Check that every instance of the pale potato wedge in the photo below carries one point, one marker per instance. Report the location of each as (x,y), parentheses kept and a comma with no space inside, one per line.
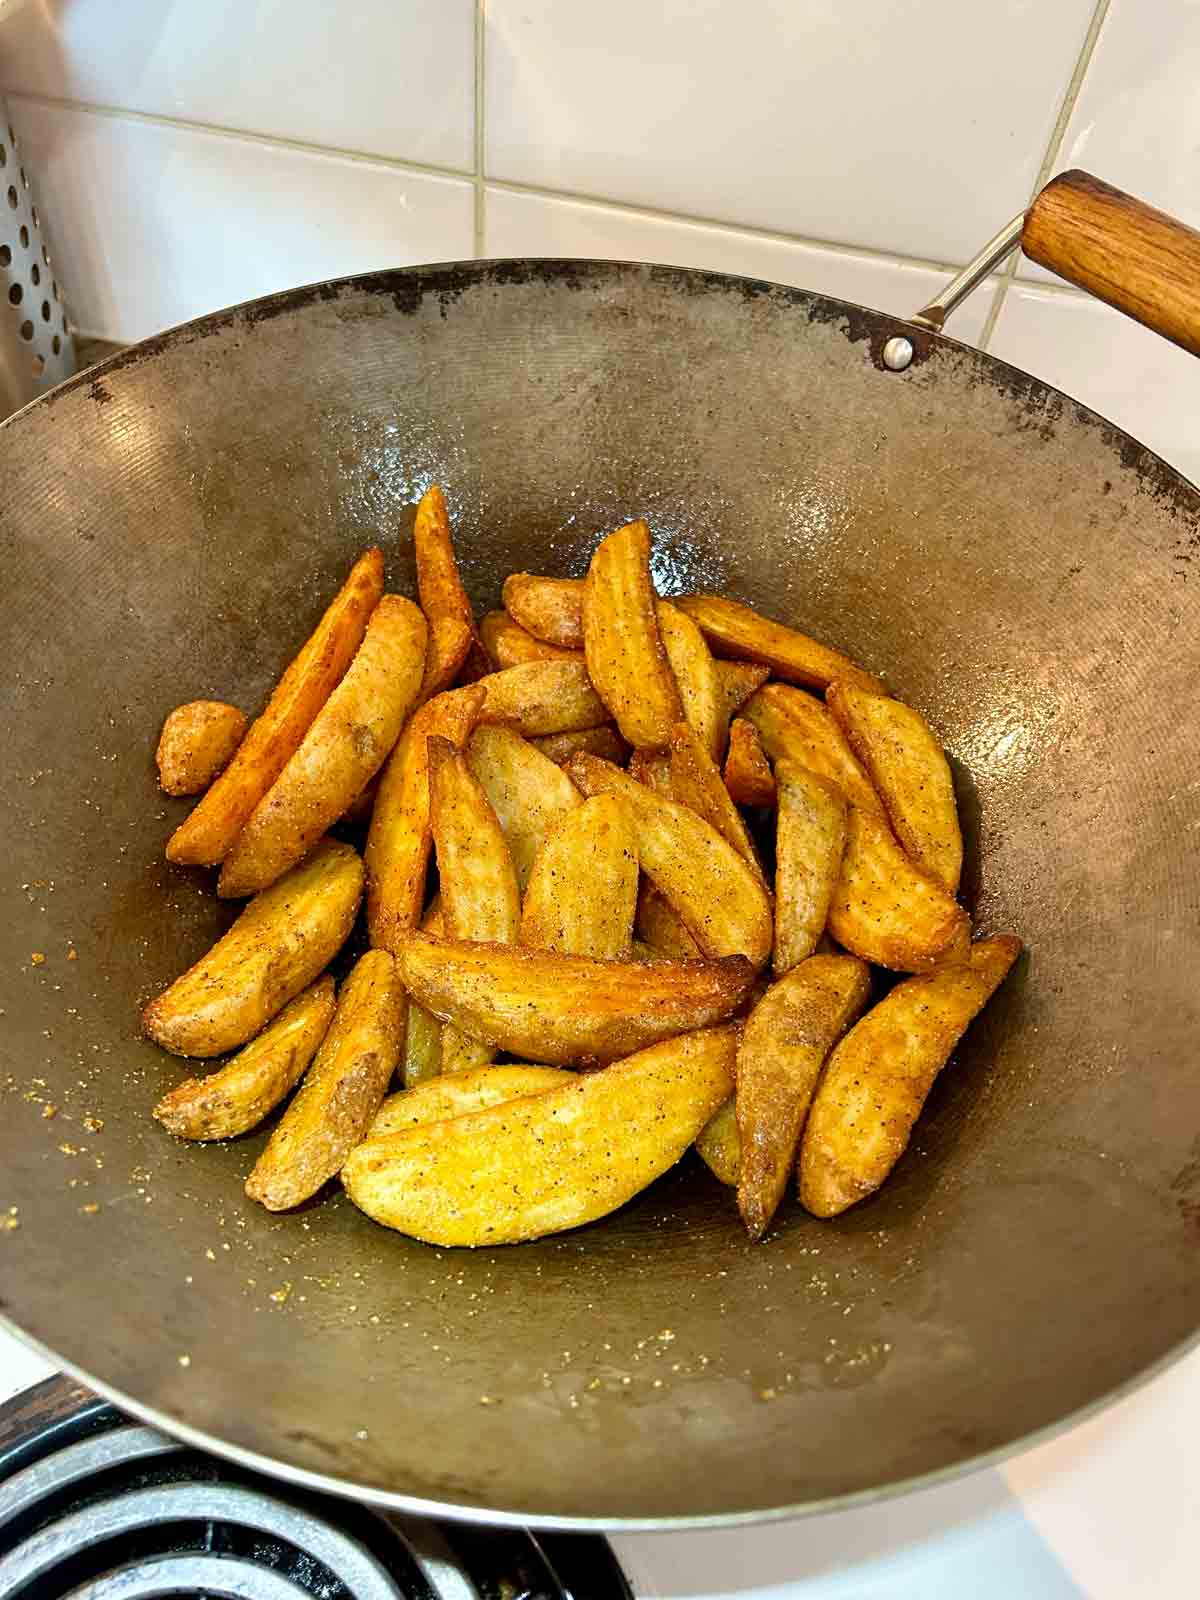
(719,896)
(350,738)
(719,1145)
(695,674)
(696,782)
(399,841)
(795,727)
(733,629)
(748,775)
(549,608)
(422,1031)
(443,598)
(909,770)
(284,939)
(660,928)
(885,909)
(530,793)
(541,697)
(603,741)
(878,1077)
(341,1092)
(582,893)
(508,644)
(239,1095)
(782,1050)
(626,657)
(197,741)
(810,841)
(206,835)
(549,1161)
(455,1094)
(560,1009)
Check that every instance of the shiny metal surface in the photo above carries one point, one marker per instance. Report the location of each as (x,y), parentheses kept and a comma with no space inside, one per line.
(168,1577)
(1018,568)
(66,1468)
(994,254)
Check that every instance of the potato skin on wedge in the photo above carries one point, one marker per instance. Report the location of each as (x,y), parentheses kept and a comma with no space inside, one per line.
(626,657)
(549,608)
(549,1161)
(454,1094)
(888,911)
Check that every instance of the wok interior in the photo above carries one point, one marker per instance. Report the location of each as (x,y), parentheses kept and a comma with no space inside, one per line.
(171,528)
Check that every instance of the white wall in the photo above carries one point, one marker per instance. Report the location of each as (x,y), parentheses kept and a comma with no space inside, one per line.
(192,153)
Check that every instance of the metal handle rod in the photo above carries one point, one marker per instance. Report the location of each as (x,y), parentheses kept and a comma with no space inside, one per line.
(994,253)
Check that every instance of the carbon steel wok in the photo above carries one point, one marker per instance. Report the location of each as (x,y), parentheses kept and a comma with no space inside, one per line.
(171,526)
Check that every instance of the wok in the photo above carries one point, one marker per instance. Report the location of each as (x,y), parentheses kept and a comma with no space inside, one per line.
(172,523)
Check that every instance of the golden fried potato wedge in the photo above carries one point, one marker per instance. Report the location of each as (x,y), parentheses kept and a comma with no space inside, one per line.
(718,895)
(455,1094)
(748,775)
(549,1161)
(205,837)
(197,740)
(530,793)
(238,1095)
(695,676)
(878,1077)
(719,1146)
(284,939)
(341,1092)
(549,608)
(508,644)
(541,697)
(653,768)
(736,682)
(783,1047)
(447,658)
(582,892)
(443,599)
(561,1009)
(885,909)
(422,1057)
(909,770)
(736,630)
(603,741)
(696,782)
(398,844)
(810,841)
(626,658)
(795,727)
(660,928)
(350,738)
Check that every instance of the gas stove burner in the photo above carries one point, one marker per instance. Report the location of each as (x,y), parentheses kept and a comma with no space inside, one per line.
(95,1507)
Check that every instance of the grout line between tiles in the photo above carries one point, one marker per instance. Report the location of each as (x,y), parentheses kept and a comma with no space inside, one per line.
(480,102)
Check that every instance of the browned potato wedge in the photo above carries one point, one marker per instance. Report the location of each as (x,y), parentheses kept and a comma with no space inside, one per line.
(888,911)
(350,738)
(582,892)
(541,697)
(561,1009)
(603,741)
(197,740)
(238,1096)
(909,769)
(446,661)
(341,1092)
(530,793)
(653,768)
(748,775)
(549,608)
(397,852)
(736,682)
(810,841)
(783,1047)
(626,658)
(205,836)
(696,782)
(508,644)
(660,928)
(878,1077)
(719,1145)
(454,1094)
(736,630)
(695,676)
(720,898)
(443,599)
(284,939)
(795,727)
(549,1161)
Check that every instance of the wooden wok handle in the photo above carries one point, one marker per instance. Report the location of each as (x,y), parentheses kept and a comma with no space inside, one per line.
(1121,250)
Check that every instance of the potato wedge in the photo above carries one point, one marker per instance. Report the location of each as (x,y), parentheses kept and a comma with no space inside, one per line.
(748,775)
(795,727)
(718,1143)
(696,782)
(782,1050)
(422,1057)
(603,741)
(660,928)
(561,1009)
(582,893)
(341,1092)
(909,770)
(455,1094)
(197,740)
(810,841)
(239,1095)
(878,1077)
(447,659)
(720,897)
(736,682)
(885,909)
(626,657)
(284,939)
(549,608)
(695,674)
(350,738)
(399,841)
(550,1161)
(443,599)
(541,697)
(530,793)
(653,768)
(206,835)
(733,629)
(508,644)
